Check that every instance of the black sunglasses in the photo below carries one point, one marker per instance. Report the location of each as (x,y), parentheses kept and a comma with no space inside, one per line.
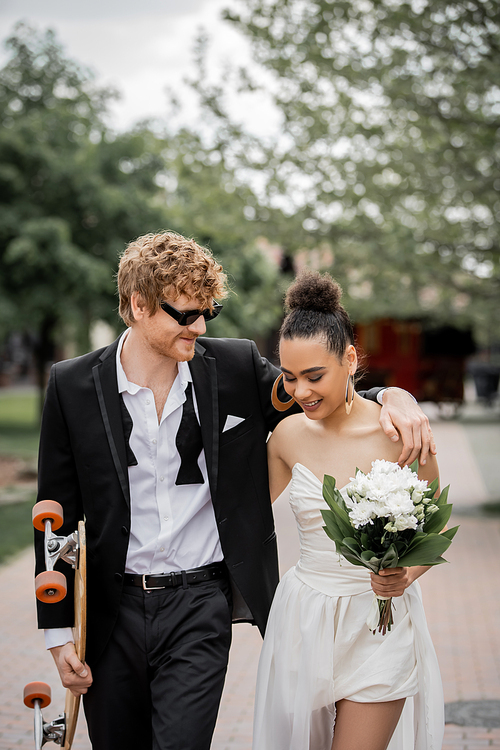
(188,317)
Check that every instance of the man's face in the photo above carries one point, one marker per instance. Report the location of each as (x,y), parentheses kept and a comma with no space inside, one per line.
(163,335)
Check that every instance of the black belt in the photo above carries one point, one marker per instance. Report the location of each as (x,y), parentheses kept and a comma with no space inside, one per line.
(172,580)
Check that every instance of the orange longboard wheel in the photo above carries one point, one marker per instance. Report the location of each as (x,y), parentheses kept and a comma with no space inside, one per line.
(47,510)
(50,586)
(37,691)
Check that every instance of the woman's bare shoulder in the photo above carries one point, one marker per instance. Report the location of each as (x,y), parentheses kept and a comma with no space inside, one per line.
(290,424)
(286,433)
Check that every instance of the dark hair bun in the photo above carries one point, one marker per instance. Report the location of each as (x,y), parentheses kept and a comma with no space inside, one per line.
(314,291)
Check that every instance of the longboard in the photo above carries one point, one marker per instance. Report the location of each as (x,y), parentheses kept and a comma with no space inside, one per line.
(79,633)
(51,587)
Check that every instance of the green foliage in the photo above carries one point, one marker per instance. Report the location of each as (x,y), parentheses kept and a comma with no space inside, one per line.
(19,424)
(389,153)
(18,409)
(71,194)
(205,200)
(16,529)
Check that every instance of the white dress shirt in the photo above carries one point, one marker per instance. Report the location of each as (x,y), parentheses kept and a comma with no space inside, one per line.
(172,527)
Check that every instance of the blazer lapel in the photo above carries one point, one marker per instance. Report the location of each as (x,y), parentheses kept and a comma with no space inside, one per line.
(106,385)
(204,372)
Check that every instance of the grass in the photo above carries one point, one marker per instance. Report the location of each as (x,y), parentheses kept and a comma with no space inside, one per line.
(19,424)
(19,432)
(16,529)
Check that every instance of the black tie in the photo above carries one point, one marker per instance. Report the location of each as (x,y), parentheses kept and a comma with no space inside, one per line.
(189,443)
(127,431)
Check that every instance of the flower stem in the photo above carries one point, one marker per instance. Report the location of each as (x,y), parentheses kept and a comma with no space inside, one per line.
(386,621)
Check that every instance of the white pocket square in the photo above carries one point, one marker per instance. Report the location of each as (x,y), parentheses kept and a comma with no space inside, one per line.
(232,422)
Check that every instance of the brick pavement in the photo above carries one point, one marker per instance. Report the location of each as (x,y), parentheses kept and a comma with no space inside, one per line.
(461,600)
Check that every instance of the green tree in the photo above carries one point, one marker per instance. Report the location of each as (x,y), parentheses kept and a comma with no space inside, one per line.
(207,201)
(71,194)
(389,151)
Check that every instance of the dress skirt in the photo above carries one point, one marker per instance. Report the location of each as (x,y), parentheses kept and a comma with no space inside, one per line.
(318,649)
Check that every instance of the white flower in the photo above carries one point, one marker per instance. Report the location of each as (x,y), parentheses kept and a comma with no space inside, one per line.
(417,496)
(387,491)
(383,467)
(405,522)
(419,512)
(399,503)
(361,513)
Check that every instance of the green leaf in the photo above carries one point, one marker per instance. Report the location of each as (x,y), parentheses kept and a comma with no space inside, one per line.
(338,545)
(329,483)
(352,544)
(432,487)
(354,559)
(426,552)
(390,558)
(414,466)
(332,526)
(443,497)
(438,520)
(438,561)
(335,501)
(450,533)
(352,553)
(365,540)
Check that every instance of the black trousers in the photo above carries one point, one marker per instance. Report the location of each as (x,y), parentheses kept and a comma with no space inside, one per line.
(159,682)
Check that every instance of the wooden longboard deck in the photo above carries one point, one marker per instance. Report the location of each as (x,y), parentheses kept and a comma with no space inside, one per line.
(79,633)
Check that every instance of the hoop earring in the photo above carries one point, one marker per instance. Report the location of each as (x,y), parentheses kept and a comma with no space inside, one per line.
(280,405)
(348,406)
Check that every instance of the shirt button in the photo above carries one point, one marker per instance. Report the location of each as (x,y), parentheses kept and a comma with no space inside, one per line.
(148,401)
(165,518)
(161,479)
(154,441)
(162,549)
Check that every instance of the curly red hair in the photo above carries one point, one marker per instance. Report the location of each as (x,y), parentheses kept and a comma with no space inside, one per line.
(167,265)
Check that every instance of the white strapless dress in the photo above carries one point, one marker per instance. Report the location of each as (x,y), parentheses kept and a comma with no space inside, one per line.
(318,649)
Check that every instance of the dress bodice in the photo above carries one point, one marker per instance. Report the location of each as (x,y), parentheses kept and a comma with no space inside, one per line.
(319,565)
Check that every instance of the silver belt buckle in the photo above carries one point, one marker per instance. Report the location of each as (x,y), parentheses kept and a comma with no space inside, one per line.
(152,588)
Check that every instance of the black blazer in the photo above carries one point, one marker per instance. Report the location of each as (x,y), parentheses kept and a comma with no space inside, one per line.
(83,465)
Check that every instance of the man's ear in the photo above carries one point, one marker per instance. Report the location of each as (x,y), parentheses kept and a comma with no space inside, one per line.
(138,306)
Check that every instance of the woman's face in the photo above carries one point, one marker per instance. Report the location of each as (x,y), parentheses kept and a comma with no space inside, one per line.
(314,377)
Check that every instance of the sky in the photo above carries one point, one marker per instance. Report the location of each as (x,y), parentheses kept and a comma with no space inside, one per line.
(140,48)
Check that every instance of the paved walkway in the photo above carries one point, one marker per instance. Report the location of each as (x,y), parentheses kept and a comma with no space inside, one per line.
(461,600)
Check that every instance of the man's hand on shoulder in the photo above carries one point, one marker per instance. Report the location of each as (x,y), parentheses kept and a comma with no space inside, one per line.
(401,417)
(74,675)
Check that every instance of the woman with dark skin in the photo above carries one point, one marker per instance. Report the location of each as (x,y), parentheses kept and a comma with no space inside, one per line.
(326,682)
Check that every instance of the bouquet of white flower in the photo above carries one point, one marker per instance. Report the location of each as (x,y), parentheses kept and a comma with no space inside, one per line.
(390,519)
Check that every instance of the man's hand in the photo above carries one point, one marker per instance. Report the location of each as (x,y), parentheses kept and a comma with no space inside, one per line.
(402,417)
(74,675)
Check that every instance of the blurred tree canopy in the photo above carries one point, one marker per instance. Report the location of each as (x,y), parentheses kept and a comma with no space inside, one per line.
(205,199)
(73,193)
(70,195)
(388,160)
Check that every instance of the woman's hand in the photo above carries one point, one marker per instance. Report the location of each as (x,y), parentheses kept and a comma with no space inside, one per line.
(394,581)
(391,581)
